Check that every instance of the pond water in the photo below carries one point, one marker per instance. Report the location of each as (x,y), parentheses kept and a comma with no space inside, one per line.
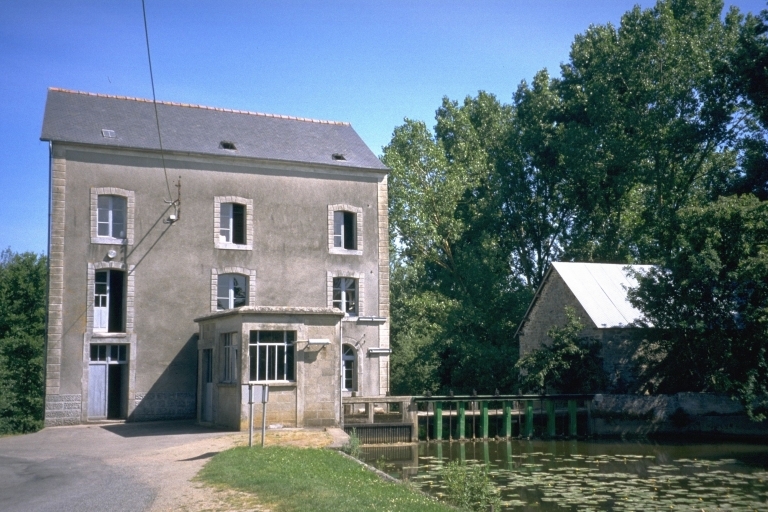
(595,475)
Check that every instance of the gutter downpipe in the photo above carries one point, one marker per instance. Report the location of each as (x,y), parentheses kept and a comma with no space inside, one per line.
(341,372)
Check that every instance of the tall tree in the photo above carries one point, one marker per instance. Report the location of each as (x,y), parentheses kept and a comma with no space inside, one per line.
(648,121)
(22,329)
(708,305)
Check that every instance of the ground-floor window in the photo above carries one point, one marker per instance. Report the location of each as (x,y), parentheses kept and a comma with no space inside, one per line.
(229,357)
(272,355)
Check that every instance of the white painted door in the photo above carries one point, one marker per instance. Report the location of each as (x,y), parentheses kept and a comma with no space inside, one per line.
(101,302)
(97,391)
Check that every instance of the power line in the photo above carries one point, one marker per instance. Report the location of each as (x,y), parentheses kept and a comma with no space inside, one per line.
(154,103)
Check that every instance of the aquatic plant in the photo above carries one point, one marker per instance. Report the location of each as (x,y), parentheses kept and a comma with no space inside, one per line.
(470,487)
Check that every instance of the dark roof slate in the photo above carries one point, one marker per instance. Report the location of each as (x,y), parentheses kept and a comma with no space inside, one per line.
(79,117)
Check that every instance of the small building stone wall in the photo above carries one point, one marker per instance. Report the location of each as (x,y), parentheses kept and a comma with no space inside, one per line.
(618,345)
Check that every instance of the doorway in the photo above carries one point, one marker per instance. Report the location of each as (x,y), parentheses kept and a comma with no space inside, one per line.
(107,382)
(207,405)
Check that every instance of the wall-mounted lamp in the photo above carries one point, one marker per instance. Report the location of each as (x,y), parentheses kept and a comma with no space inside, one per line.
(111,254)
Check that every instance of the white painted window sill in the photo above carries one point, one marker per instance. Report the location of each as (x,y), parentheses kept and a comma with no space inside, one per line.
(346,252)
(107,240)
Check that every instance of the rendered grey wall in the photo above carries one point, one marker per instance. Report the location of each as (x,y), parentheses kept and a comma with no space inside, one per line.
(173,262)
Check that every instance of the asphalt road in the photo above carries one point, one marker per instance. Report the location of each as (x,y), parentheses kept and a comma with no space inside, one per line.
(78,468)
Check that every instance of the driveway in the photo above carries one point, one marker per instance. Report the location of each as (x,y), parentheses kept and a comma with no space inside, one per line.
(125,467)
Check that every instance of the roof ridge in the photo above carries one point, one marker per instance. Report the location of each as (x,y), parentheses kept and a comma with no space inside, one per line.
(203,107)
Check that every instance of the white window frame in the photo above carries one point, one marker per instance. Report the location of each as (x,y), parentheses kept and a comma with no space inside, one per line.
(128,306)
(130,203)
(360,278)
(250,274)
(218,243)
(229,360)
(332,234)
(270,347)
(231,280)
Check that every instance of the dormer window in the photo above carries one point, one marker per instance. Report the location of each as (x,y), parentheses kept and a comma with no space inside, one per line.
(338,156)
(227,145)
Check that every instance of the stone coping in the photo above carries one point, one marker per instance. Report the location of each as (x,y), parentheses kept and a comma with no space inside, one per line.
(272,310)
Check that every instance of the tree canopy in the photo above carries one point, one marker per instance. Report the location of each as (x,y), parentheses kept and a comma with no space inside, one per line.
(648,131)
(22,329)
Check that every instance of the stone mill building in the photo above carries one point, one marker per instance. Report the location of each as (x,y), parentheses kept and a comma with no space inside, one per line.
(252,248)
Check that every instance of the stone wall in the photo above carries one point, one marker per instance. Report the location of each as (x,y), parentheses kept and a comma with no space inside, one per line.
(62,410)
(683,414)
(163,406)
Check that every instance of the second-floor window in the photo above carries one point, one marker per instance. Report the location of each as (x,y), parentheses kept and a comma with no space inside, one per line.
(232,223)
(232,291)
(111,216)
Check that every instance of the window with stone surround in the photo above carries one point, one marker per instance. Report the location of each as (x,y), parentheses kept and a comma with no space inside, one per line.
(232,287)
(112,214)
(233,223)
(272,356)
(346,291)
(110,308)
(345,229)
(348,367)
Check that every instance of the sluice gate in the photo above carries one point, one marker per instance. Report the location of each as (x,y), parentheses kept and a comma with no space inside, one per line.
(402,419)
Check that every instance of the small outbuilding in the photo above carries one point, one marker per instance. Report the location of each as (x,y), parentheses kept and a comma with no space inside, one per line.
(598,294)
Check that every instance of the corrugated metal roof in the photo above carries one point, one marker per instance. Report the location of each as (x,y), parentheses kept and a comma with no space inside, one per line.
(601,288)
(78,117)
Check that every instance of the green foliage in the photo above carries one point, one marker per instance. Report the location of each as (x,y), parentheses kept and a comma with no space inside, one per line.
(570,364)
(352,447)
(22,332)
(646,122)
(292,479)
(708,305)
(469,487)
(454,307)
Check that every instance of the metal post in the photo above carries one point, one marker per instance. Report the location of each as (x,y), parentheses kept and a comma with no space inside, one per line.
(250,423)
(484,418)
(507,420)
(462,422)
(263,422)
(549,405)
(572,417)
(474,409)
(439,421)
(528,418)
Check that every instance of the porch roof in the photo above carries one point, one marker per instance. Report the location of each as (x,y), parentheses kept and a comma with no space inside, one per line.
(271,310)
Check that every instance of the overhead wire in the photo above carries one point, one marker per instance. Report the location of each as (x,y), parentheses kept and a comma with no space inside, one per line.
(154,103)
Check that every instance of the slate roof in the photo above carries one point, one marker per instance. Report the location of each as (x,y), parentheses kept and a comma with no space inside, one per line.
(80,117)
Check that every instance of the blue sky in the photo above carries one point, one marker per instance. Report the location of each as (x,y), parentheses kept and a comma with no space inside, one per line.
(371,63)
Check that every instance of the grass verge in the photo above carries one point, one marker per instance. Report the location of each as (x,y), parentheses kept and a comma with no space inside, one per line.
(290,479)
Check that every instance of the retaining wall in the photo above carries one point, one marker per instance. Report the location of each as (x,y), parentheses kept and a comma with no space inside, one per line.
(683,414)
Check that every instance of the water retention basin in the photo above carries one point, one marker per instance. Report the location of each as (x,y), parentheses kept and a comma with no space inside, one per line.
(594,475)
